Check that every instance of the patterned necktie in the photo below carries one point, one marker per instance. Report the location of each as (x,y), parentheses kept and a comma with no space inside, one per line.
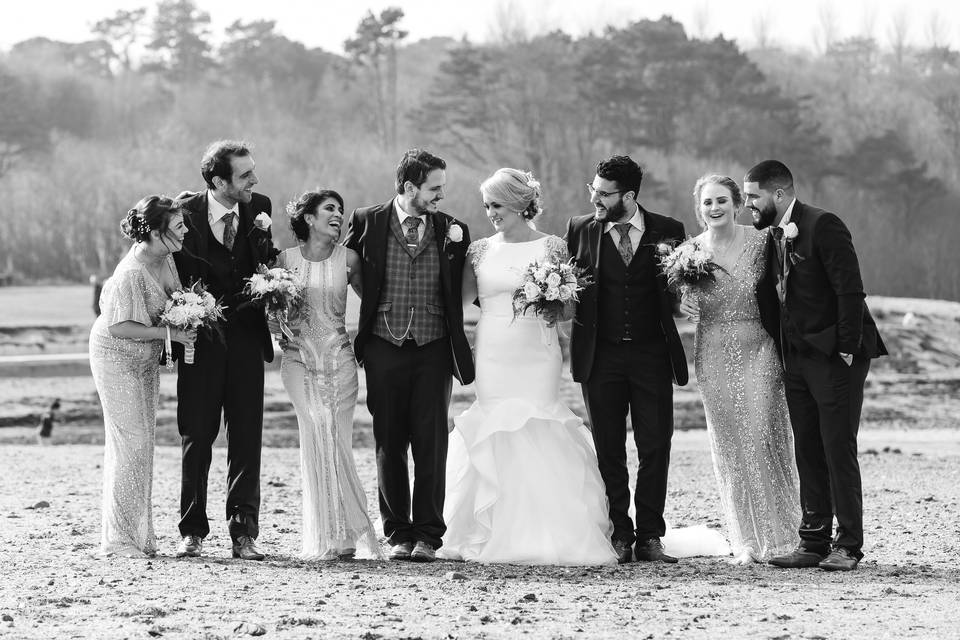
(624,247)
(229,233)
(410,234)
(777,233)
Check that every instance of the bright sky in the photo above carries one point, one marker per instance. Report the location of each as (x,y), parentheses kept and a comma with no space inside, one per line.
(327,23)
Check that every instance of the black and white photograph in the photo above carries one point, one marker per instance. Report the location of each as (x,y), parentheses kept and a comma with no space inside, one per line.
(408,319)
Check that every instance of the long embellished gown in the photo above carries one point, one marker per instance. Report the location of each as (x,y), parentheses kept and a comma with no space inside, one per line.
(319,372)
(126,373)
(523,485)
(741,381)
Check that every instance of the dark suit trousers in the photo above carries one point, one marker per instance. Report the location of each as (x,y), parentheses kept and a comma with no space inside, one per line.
(637,377)
(225,379)
(408,394)
(825,397)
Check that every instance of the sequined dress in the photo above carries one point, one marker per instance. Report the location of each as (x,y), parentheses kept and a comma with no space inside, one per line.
(319,372)
(126,373)
(523,485)
(741,381)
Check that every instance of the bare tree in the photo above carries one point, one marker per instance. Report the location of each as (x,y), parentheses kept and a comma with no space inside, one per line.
(701,21)
(936,30)
(897,33)
(122,31)
(827,30)
(868,21)
(763,28)
(509,23)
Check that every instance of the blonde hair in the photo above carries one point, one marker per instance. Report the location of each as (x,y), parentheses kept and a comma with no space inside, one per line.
(517,190)
(735,195)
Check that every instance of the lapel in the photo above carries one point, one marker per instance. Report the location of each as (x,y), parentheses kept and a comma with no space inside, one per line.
(790,246)
(651,230)
(379,231)
(250,233)
(440,237)
(594,237)
(201,226)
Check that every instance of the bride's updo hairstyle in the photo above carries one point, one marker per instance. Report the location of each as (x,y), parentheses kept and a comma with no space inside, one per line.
(735,195)
(152,213)
(514,189)
(308,203)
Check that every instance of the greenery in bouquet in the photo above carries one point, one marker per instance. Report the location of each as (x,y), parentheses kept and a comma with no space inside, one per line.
(687,264)
(192,307)
(548,286)
(279,291)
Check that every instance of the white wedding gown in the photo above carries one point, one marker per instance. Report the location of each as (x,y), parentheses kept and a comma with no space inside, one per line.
(523,484)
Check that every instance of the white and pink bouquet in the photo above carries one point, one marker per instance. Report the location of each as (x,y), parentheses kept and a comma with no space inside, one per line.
(279,291)
(190,308)
(687,264)
(548,286)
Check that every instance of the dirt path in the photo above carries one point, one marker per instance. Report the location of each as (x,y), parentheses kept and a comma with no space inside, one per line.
(907,586)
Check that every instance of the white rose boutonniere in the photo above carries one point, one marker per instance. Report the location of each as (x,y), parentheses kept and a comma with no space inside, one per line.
(790,231)
(262,221)
(455,233)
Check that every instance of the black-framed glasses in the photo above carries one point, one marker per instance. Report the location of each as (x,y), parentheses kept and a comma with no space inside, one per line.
(601,194)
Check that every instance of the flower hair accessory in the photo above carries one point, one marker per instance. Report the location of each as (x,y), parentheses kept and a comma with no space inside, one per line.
(532,183)
(291,209)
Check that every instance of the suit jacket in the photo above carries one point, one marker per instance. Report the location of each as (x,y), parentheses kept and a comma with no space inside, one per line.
(823,308)
(367,234)
(192,261)
(583,242)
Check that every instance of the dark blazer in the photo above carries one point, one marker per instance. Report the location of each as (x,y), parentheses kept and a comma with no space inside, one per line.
(583,242)
(824,306)
(367,234)
(192,261)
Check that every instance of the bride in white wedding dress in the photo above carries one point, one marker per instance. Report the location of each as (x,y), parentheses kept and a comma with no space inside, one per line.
(523,484)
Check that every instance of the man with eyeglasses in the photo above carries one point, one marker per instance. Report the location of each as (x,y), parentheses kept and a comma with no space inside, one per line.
(626,351)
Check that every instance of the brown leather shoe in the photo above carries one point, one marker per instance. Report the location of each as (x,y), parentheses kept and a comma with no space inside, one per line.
(423,552)
(401,551)
(651,550)
(190,547)
(245,548)
(623,550)
(799,558)
(839,560)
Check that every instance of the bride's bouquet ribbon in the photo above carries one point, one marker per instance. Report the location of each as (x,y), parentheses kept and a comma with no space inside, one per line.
(189,308)
(280,292)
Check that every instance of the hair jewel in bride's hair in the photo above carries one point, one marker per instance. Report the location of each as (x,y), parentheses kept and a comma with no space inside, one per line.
(291,209)
(532,183)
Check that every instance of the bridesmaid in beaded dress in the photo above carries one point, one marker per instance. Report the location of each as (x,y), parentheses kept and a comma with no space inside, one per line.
(319,372)
(741,382)
(125,347)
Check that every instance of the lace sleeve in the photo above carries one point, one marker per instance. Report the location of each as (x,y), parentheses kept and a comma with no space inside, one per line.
(476,251)
(125,299)
(557,248)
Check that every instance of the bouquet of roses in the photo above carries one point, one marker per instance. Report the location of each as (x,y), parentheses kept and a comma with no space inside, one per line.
(548,285)
(191,308)
(687,264)
(279,291)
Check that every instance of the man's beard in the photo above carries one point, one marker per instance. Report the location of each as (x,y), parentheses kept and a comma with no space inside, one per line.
(420,205)
(614,213)
(763,218)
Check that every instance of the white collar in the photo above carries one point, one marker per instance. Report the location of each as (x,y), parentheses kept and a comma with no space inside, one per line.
(636,220)
(215,210)
(786,216)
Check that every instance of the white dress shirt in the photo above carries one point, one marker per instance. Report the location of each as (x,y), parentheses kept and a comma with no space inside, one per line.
(636,229)
(215,214)
(403,215)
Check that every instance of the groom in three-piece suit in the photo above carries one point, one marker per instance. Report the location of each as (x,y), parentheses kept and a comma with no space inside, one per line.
(225,244)
(827,338)
(625,350)
(410,341)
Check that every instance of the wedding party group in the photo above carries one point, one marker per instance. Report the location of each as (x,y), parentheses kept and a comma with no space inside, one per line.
(782,348)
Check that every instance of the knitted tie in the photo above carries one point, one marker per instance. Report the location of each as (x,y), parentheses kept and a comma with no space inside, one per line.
(624,247)
(229,233)
(410,234)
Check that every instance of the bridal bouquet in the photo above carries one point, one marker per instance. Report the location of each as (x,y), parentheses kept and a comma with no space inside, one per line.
(687,264)
(279,291)
(191,308)
(548,285)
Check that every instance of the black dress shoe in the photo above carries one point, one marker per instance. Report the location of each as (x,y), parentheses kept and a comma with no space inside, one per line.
(839,560)
(624,551)
(651,550)
(401,551)
(245,548)
(799,558)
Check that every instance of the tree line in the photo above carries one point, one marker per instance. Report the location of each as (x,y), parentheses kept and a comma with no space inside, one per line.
(88,128)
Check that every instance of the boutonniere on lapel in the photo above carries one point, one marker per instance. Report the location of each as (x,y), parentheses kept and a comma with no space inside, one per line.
(261,224)
(454,235)
(790,233)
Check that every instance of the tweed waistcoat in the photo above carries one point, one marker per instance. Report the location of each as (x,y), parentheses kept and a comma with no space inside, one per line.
(411,289)
(628,302)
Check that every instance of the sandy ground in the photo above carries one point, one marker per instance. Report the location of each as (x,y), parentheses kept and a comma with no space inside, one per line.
(53,586)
